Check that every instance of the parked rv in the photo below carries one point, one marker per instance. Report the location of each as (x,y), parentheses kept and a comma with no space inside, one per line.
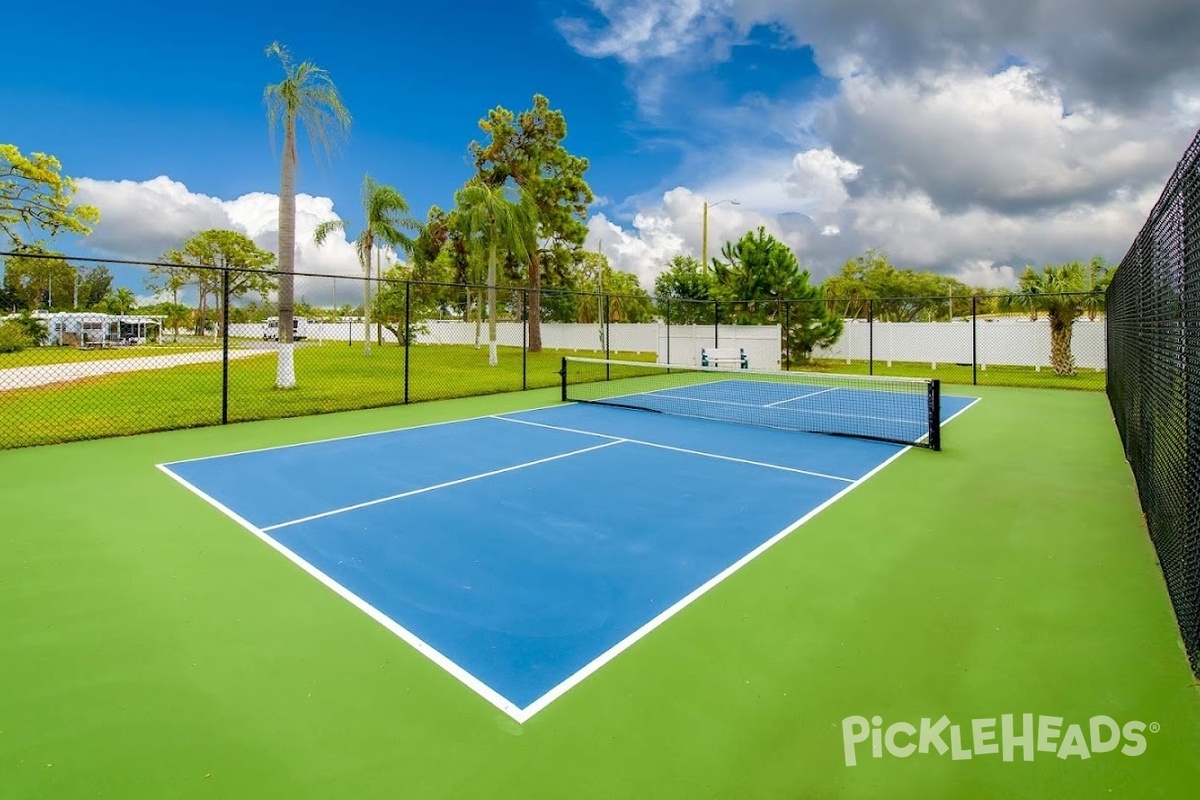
(299,329)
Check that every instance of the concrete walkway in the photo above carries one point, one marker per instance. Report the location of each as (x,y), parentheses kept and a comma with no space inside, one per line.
(48,374)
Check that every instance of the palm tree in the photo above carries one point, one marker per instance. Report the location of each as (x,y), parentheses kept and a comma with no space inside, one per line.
(384,225)
(1062,292)
(1099,276)
(307,94)
(493,220)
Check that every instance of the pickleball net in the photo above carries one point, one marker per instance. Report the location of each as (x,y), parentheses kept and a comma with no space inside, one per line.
(900,410)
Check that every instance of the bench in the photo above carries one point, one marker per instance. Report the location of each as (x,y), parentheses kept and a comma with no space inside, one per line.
(724,357)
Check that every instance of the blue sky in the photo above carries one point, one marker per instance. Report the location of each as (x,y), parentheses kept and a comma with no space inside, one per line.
(940,134)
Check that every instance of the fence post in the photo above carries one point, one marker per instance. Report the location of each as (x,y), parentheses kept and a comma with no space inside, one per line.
(787,335)
(974,341)
(871,336)
(524,340)
(225,345)
(407,333)
(668,330)
(716,323)
(607,338)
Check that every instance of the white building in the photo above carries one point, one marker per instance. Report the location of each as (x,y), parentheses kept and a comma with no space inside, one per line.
(95,329)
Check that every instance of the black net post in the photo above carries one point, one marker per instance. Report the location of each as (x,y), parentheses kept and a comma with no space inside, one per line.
(225,345)
(935,414)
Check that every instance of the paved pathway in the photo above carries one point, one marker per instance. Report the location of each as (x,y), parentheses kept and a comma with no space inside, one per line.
(46,374)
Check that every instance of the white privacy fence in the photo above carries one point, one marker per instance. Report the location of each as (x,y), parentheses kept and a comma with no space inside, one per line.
(1007,341)
(676,344)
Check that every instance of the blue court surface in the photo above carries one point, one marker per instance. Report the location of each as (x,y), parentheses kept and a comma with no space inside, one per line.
(523,551)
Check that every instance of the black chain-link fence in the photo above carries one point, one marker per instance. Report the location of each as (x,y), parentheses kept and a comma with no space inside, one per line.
(205,349)
(1154,382)
(1006,339)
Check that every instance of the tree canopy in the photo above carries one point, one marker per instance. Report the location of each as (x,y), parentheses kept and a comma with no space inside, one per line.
(199,261)
(36,197)
(759,272)
(870,284)
(37,279)
(684,292)
(528,150)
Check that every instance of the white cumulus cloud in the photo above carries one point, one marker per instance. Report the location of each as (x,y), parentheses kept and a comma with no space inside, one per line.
(140,220)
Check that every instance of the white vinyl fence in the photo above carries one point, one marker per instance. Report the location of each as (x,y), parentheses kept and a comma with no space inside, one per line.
(761,342)
(1007,341)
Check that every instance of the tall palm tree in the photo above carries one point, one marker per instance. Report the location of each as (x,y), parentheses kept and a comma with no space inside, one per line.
(306,94)
(1062,292)
(383,224)
(494,219)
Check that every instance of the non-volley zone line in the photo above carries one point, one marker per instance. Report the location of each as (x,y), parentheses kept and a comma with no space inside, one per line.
(688,451)
(445,484)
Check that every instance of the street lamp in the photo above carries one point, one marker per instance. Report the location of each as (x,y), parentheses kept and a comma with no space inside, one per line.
(704,235)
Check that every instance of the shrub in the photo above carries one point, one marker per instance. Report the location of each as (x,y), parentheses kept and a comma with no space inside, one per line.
(13,338)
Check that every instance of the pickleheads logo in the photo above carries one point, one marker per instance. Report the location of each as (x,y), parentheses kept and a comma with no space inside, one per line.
(1029,735)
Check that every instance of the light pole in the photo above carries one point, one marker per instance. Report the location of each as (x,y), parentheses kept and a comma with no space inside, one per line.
(704,234)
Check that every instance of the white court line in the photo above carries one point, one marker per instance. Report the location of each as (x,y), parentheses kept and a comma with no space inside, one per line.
(522,715)
(473,683)
(951,417)
(623,645)
(422,490)
(355,435)
(800,397)
(680,450)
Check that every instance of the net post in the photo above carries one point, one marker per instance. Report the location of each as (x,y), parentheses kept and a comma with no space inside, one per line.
(935,414)
(563,373)
(407,333)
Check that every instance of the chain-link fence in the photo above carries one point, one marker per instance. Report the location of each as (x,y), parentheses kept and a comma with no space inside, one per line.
(1154,382)
(212,352)
(1007,339)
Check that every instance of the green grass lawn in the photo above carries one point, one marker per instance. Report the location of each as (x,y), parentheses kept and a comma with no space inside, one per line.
(152,648)
(993,375)
(330,377)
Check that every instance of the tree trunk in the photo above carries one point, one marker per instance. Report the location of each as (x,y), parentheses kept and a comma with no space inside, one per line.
(491,301)
(535,303)
(285,376)
(202,314)
(1060,346)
